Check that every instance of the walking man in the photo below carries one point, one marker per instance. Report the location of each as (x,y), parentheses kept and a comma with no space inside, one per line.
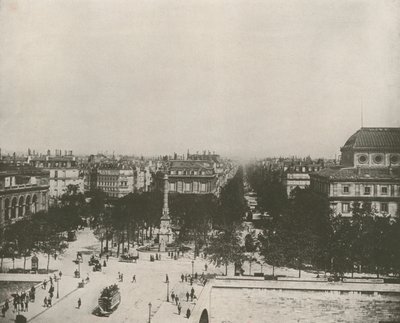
(182,278)
(176,300)
(187,296)
(79,303)
(134,279)
(179,309)
(173,296)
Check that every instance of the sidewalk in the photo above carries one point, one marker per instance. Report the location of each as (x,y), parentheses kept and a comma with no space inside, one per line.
(66,285)
(168,311)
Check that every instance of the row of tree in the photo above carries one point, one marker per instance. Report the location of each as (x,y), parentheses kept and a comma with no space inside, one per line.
(302,230)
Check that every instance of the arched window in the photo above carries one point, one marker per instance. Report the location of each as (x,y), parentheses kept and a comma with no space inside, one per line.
(21,206)
(14,208)
(7,209)
(28,204)
(34,204)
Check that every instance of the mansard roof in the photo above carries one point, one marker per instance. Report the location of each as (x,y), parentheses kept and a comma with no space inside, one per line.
(374,138)
(361,173)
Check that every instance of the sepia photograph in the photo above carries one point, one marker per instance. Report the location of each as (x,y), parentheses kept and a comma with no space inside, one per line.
(200,161)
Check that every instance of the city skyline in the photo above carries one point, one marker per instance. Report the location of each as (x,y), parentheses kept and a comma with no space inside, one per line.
(244,80)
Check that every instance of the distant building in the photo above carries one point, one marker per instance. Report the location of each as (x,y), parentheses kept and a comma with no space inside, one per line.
(369,172)
(23,191)
(190,176)
(63,170)
(297,175)
(115,181)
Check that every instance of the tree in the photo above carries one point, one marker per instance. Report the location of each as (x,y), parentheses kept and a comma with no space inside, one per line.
(232,203)
(225,248)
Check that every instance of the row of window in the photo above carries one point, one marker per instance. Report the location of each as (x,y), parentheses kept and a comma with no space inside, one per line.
(122,183)
(378,159)
(367,190)
(188,187)
(187,172)
(384,207)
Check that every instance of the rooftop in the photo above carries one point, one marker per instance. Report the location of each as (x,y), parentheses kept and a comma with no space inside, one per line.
(362,173)
(382,138)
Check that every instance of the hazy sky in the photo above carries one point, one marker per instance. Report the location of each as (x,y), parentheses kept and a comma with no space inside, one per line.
(255,78)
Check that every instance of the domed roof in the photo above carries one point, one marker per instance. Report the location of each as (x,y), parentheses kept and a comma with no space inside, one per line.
(381,138)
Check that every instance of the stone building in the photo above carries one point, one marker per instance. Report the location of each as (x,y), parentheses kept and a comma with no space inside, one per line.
(369,171)
(63,170)
(116,181)
(190,176)
(298,175)
(23,191)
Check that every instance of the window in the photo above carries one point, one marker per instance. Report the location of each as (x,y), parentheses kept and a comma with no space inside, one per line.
(172,187)
(362,159)
(195,186)
(188,187)
(345,208)
(346,189)
(384,207)
(203,187)
(378,159)
(367,190)
(384,190)
(180,186)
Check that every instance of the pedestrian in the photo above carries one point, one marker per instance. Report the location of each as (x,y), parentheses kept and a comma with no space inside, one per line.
(49,301)
(182,278)
(191,281)
(134,279)
(159,257)
(104,264)
(60,274)
(45,302)
(79,303)
(205,267)
(166,278)
(187,296)
(173,296)
(186,278)
(44,284)
(21,303)
(179,309)
(26,303)
(195,275)
(122,277)
(15,304)
(188,313)
(176,300)
(192,292)
(51,280)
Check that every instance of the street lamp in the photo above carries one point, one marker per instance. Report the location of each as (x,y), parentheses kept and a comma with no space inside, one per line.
(192,268)
(150,312)
(58,295)
(167,290)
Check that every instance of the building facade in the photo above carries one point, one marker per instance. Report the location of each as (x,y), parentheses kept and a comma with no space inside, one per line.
(191,177)
(116,182)
(23,191)
(298,175)
(63,170)
(369,172)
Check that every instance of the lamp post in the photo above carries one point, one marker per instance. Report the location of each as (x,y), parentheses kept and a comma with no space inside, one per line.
(58,295)
(168,291)
(192,268)
(150,312)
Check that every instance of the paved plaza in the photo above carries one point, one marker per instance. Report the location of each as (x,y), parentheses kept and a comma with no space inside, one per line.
(150,287)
